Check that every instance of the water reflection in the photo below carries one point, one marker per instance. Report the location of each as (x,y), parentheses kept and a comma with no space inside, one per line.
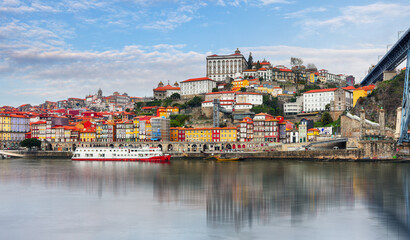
(240,195)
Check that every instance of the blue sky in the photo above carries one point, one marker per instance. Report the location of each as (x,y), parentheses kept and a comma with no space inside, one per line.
(52,50)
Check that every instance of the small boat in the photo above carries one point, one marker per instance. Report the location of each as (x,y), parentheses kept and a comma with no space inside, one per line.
(224,159)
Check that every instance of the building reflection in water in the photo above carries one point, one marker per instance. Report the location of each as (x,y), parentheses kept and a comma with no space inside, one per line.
(240,194)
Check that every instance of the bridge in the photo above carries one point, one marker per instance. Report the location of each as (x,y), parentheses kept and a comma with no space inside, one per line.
(393,58)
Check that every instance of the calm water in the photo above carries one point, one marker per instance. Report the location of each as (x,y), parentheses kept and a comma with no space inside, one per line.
(60,199)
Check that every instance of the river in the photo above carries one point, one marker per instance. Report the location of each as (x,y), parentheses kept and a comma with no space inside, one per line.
(60,199)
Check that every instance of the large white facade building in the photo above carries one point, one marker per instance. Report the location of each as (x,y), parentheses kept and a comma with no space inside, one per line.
(219,67)
(316,100)
(339,99)
(196,86)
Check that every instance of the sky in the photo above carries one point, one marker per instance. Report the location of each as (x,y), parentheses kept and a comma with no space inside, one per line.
(53,50)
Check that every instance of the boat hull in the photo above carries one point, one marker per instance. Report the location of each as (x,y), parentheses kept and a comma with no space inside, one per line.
(165,158)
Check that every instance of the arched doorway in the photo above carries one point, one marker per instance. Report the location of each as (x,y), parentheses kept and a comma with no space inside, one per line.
(194,148)
(170,147)
(160,146)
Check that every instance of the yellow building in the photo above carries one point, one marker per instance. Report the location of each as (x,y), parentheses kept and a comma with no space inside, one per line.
(87,135)
(313,77)
(227,134)
(173,134)
(238,84)
(204,134)
(136,128)
(198,135)
(166,111)
(362,92)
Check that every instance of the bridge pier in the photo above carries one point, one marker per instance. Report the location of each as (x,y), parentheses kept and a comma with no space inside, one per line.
(381,149)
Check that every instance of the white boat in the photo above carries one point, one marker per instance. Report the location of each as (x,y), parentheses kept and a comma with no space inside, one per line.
(147,154)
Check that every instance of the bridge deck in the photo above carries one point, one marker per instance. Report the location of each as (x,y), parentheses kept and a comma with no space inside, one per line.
(393,58)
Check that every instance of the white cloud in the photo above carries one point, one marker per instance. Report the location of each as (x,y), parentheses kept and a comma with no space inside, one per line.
(268,2)
(136,70)
(302,13)
(15,6)
(358,15)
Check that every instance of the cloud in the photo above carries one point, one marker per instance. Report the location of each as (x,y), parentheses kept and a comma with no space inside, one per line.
(43,74)
(268,2)
(359,15)
(174,18)
(302,13)
(15,6)
(258,3)
(137,69)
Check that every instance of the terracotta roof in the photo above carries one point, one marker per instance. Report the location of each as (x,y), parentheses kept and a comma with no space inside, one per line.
(165,88)
(198,79)
(349,88)
(220,92)
(249,93)
(250,70)
(322,90)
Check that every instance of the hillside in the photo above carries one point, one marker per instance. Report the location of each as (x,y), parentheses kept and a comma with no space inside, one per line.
(388,94)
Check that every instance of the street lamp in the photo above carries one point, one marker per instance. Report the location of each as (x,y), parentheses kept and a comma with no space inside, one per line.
(387,47)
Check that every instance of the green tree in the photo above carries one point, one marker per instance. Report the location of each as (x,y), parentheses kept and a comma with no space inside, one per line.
(179,120)
(167,102)
(175,96)
(327,107)
(258,65)
(195,102)
(326,119)
(154,103)
(215,89)
(127,110)
(243,89)
(30,143)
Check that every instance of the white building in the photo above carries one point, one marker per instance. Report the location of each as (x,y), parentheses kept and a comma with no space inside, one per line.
(316,100)
(196,86)
(249,97)
(339,99)
(229,100)
(219,67)
(293,108)
(223,95)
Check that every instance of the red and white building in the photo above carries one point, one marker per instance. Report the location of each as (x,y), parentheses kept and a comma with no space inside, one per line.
(163,92)
(245,130)
(265,128)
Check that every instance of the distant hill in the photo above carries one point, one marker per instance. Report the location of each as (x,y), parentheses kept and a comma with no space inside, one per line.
(388,94)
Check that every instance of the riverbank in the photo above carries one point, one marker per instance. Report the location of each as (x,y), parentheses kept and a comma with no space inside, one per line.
(355,155)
